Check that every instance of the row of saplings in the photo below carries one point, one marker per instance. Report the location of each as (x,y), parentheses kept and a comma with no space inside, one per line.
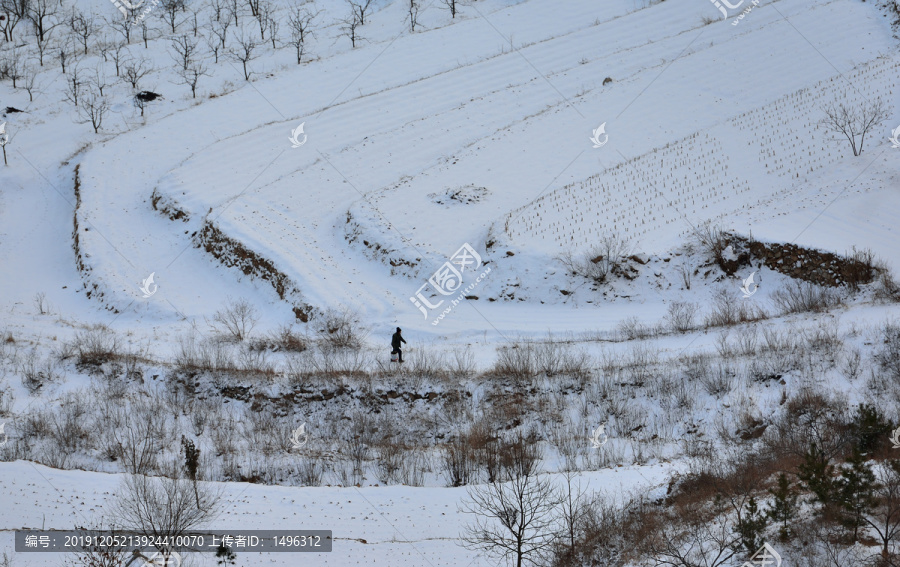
(819,482)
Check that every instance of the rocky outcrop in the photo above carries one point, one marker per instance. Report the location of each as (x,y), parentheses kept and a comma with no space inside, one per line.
(234,254)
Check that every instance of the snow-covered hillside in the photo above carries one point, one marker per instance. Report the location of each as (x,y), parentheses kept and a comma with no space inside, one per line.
(328,196)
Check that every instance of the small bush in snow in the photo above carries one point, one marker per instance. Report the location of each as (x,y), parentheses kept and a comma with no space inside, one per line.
(236,320)
(340,328)
(805,297)
(600,260)
(681,315)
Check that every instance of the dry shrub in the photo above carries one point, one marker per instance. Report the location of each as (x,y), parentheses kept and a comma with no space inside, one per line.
(516,361)
(888,354)
(285,339)
(95,346)
(805,297)
(809,417)
(632,329)
(458,461)
(713,240)
(340,328)
(35,372)
(729,310)
(310,471)
(681,315)
(461,363)
(144,433)
(236,320)
(602,259)
(203,355)
(861,267)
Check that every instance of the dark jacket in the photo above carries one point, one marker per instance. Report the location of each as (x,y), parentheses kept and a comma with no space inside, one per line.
(396,339)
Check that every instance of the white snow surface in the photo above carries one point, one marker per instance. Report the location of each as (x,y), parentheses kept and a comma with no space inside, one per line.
(705,122)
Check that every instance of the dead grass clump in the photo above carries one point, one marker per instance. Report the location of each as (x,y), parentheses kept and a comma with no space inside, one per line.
(602,259)
(95,347)
(728,309)
(340,328)
(805,297)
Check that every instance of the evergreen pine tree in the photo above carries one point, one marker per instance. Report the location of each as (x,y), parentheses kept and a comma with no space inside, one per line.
(870,428)
(856,490)
(751,526)
(817,473)
(783,509)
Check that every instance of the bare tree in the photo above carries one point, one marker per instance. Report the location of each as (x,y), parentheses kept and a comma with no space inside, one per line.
(43,16)
(93,108)
(140,102)
(195,19)
(65,54)
(854,122)
(300,21)
(122,26)
(219,29)
(4,141)
(213,43)
(885,518)
(274,26)
(118,52)
(99,79)
(413,15)
(451,5)
(515,520)
(691,536)
(219,9)
(235,9)
(136,69)
(164,508)
(516,514)
(43,44)
(83,26)
(574,510)
(74,81)
(243,52)
(169,12)
(15,11)
(184,47)
(360,8)
(29,81)
(349,26)
(191,75)
(264,10)
(145,33)
(11,65)
(237,319)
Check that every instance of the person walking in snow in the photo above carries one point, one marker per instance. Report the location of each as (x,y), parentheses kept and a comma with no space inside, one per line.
(396,339)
